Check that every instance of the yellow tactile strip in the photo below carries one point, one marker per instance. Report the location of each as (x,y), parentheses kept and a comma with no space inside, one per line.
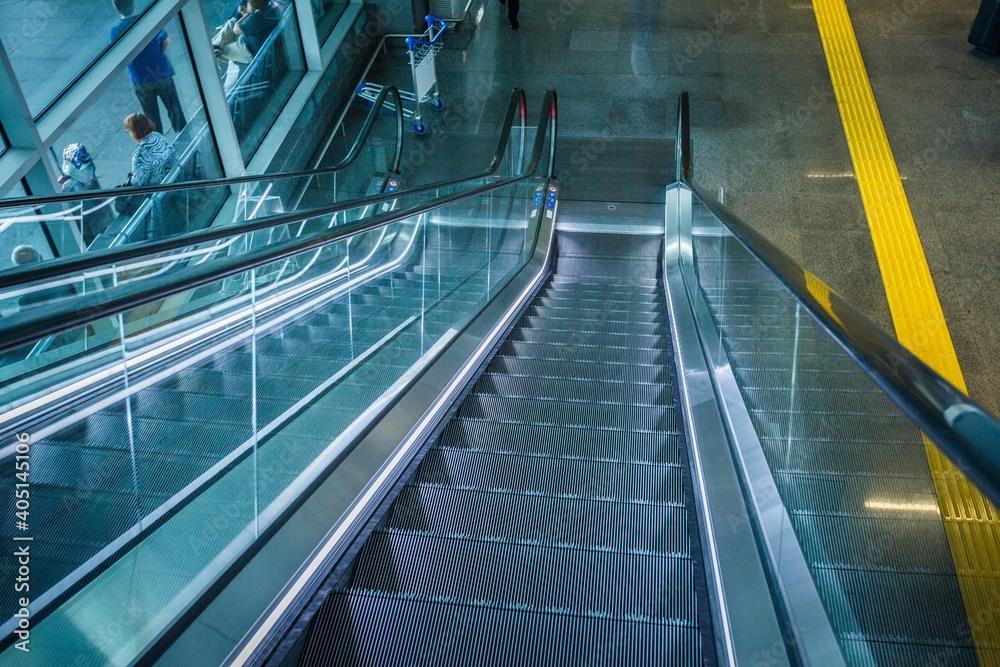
(971,523)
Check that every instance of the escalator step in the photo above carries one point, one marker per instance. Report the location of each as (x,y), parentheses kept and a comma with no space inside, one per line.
(515,576)
(601,300)
(594,306)
(567,413)
(557,352)
(581,370)
(584,338)
(561,441)
(631,482)
(594,327)
(440,633)
(587,391)
(535,519)
(624,268)
(575,315)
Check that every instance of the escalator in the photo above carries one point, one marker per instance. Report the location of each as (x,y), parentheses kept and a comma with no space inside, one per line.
(452,427)
(556,503)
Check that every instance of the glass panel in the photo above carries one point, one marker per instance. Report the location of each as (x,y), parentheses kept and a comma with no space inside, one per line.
(876,511)
(16,191)
(97,152)
(222,404)
(15,234)
(260,72)
(326,13)
(50,43)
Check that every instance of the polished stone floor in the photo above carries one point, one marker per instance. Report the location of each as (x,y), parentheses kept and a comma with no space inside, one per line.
(766,128)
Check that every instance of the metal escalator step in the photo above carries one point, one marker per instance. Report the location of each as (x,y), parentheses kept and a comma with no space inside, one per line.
(853,495)
(868,603)
(594,306)
(587,391)
(576,315)
(580,338)
(631,482)
(856,427)
(581,370)
(860,650)
(207,437)
(834,455)
(610,328)
(351,631)
(561,441)
(606,290)
(171,404)
(518,576)
(567,413)
(623,268)
(559,280)
(534,519)
(563,352)
(599,299)
(899,542)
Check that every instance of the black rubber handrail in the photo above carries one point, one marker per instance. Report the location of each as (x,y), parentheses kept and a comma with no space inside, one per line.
(68,314)
(74,264)
(352,154)
(965,432)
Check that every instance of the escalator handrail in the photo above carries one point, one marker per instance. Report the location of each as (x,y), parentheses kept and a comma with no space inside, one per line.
(74,264)
(359,143)
(68,314)
(965,432)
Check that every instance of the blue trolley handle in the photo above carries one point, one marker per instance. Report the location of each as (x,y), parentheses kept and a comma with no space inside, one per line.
(432,21)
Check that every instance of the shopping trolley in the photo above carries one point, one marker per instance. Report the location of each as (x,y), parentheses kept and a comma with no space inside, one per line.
(422,49)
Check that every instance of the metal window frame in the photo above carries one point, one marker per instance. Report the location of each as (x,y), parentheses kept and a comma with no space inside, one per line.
(29,138)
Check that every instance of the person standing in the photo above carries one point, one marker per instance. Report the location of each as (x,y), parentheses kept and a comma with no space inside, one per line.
(151,73)
(152,160)
(154,157)
(239,40)
(79,175)
(513,6)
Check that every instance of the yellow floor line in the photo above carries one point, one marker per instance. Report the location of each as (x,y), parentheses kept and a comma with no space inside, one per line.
(971,523)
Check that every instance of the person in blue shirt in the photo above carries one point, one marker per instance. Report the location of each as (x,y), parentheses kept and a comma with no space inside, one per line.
(151,73)
(239,40)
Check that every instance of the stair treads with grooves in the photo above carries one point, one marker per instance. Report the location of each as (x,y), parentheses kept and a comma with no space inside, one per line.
(853,495)
(594,327)
(439,633)
(633,482)
(555,351)
(614,282)
(615,268)
(879,543)
(561,441)
(580,370)
(584,338)
(585,391)
(576,315)
(839,456)
(567,413)
(502,574)
(599,300)
(627,295)
(548,520)
(875,598)
(595,305)
(860,650)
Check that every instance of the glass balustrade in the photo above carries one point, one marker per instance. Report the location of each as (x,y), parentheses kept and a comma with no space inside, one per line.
(198,418)
(902,548)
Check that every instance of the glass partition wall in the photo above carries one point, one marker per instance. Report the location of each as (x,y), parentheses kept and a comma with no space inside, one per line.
(77,70)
